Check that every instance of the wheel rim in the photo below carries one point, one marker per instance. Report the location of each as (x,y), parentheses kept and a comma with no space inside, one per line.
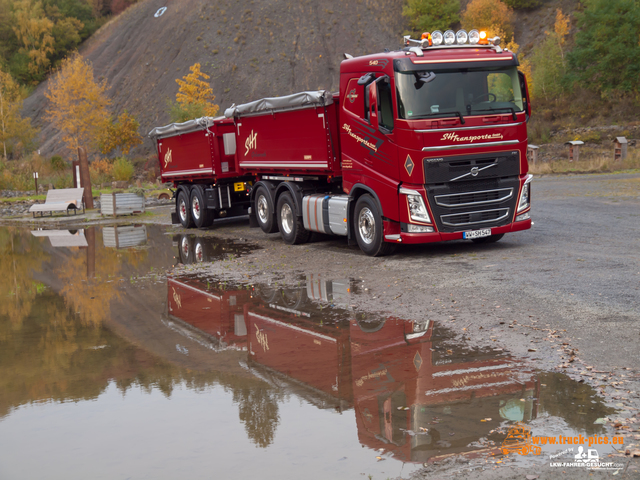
(199,251)
(195,208)
(185,247)
(263,209)
(182,208)
(286,218)
(367,225)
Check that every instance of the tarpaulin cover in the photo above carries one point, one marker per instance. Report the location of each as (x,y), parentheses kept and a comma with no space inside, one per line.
(181,128)
(279,104)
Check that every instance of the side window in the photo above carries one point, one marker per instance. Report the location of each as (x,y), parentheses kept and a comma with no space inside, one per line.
(353,100)
(385,105)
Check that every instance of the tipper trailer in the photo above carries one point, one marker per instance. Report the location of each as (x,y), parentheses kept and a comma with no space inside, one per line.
(424,144)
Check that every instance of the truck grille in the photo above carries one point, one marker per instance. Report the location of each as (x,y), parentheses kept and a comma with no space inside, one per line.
(472,218)
(474,198)
(472,191)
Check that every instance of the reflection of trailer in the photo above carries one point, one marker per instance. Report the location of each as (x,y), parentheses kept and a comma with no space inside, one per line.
(409,395)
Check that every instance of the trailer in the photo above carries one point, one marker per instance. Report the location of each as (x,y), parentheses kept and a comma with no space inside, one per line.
(424,144)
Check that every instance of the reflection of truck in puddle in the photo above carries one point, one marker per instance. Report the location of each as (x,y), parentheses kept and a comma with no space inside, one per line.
(519,441)
(414,393)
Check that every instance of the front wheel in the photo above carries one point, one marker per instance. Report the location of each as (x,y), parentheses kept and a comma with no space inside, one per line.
(184,210)
(489,239)
(290,225)
(368,228)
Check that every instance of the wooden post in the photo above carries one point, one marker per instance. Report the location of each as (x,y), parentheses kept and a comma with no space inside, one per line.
(113,196)
(85,177)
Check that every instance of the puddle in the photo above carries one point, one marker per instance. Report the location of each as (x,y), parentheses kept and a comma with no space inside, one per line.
(113,366)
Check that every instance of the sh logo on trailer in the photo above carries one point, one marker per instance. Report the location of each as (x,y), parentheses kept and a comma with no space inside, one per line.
(251,142)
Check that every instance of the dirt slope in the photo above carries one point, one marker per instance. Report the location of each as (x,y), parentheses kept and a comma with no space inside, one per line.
(250,48)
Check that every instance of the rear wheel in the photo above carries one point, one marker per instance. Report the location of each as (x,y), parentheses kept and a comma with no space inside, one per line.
(186,250)
(184,210)
(202,216)
(290,225)
(489,239)
(368,227)
(264,211)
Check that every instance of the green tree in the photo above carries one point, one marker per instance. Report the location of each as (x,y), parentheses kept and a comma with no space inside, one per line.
(606,55)
(13,128)
(429,15)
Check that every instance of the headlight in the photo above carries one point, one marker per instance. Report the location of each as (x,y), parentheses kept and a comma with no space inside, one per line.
(449,37)
(461,37)
(436,38)
(417,208)
(474,37)
(525,195)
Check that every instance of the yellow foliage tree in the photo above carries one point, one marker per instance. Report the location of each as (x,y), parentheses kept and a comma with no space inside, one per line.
(123,134)
(12,125)
(79,106)
(196,95)
(33,30)
(491,15)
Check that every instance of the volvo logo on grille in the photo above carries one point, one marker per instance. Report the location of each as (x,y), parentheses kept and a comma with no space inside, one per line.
(474,171)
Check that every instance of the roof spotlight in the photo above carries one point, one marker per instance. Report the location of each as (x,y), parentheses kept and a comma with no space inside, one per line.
(474,37)
(461,37)
(449,37)
(436,38)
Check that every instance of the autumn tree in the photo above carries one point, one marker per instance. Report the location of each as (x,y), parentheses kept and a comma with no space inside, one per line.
(13,128)
(548,61)
(195,96)
(429,15)
(121,133)
(491,15)
(34,31)
(79,105)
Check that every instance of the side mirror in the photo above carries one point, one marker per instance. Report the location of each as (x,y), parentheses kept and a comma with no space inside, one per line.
(372,95)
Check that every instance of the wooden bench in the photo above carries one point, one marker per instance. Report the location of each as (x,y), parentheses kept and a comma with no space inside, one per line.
(60,200)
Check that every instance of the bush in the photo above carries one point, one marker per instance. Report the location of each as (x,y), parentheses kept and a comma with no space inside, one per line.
(58,164)
(101,171)
(122,169)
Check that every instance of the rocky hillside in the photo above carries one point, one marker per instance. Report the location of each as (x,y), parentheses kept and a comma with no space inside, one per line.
(250,48)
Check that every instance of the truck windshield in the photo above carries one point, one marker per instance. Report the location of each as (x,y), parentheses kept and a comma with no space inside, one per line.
(459,92)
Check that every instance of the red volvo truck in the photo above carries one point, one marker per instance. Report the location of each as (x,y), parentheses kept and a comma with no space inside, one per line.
(424,144)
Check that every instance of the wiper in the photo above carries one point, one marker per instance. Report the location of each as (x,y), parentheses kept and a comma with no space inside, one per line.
(513,112)
(439,114)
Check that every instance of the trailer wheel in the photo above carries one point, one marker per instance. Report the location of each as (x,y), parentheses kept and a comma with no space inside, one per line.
(368,227)
(264,211)
(201,215)
(290,225)
(186,250)
(184,212)
(489,239)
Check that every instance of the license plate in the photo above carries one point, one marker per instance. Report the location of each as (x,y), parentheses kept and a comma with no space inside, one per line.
(238,187)
(485,232)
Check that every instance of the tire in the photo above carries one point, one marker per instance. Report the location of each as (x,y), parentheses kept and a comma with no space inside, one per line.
(199,254)
(489,239)
(368,228)
(186,250)
(290,225)
(183,209)
(265,211)
(202,216)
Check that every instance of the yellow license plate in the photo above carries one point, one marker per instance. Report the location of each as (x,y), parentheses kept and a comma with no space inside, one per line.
(238,187)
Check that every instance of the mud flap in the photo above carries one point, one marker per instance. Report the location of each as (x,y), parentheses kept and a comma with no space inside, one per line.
(174,218)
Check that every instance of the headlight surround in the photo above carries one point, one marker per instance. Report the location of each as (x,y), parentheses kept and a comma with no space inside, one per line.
(417,208)
(525,195)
